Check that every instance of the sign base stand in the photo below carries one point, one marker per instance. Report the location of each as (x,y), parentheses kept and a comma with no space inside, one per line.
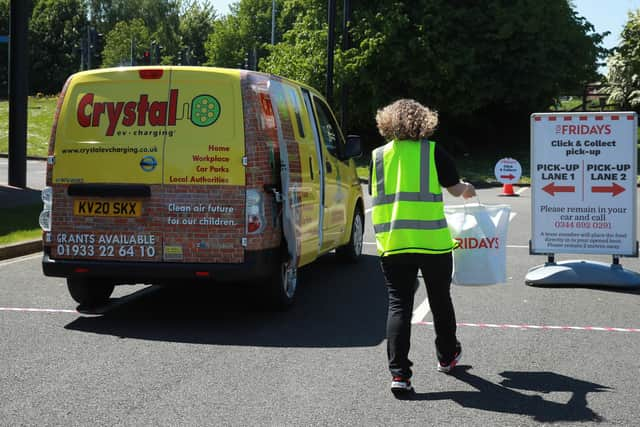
(585,273)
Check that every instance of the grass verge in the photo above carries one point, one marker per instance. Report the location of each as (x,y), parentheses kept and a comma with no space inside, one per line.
(40,113)
(19,223)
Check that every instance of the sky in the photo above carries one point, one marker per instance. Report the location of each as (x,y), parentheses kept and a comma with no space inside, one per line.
(605,15)
(221,6)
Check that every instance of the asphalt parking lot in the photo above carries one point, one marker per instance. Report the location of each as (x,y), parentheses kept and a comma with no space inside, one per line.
(212,355)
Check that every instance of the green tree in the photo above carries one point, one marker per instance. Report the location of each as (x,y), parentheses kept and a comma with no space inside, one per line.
(240,38)
(105,14)
(55,28)
(125,39)
(196,23)
(301,55)
(161,18)
(624,66)
(484,65)
(225,47)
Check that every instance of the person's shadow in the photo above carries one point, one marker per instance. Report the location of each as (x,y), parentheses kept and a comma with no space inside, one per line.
(501,397)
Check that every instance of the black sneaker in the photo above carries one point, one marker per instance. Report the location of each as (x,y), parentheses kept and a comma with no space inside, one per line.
(448,367)
(401,385)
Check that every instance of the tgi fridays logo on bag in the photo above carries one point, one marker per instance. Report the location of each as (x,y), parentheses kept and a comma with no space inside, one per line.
(204,111)
(475,243)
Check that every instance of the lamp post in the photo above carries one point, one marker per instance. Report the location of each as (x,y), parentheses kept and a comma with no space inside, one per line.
(346,44)
(330,47)
(273,22)
(132,52)
(18,92)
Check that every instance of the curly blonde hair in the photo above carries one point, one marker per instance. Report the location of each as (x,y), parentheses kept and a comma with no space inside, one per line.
(406,119)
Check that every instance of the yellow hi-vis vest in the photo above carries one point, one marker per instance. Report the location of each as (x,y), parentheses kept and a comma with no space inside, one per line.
(408,212)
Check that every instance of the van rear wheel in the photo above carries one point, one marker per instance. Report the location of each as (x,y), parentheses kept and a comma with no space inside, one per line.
(352,250)
(282,285)
(89,293)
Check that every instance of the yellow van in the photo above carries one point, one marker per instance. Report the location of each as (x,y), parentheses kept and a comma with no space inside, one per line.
(164,175)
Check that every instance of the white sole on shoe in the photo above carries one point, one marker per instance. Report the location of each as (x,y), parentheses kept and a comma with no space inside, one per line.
(450,366)
(401,386)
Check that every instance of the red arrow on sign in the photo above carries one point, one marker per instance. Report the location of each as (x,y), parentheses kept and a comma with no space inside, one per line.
(510,176)
(614,189)
(552,189)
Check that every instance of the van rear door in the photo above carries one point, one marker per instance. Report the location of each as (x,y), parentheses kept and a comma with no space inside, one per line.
(106,165)
(204,175)
(290,175)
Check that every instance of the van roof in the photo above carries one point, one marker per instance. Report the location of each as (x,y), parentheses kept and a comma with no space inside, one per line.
(218,70)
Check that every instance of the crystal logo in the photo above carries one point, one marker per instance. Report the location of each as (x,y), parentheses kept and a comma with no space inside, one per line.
(205,111)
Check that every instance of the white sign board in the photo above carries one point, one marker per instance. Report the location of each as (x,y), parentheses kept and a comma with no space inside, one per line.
(507,171)
(583,183)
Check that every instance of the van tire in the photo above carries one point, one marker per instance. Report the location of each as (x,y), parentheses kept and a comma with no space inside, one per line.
(352,250)
(282,286)
(89,293)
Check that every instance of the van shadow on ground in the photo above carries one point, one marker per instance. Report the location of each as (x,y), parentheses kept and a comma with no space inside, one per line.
(503,398)
(338,305)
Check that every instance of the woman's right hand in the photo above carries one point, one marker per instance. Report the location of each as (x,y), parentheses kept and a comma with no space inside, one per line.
(469,191)
(463,189)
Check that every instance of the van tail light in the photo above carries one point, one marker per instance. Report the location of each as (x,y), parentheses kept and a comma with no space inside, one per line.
(152,74)
(253,224)
(45,216)
(254,212)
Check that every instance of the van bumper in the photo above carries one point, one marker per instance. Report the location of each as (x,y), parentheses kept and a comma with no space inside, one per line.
(257,265)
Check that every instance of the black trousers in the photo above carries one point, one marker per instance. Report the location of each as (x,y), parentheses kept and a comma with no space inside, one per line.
(400,272)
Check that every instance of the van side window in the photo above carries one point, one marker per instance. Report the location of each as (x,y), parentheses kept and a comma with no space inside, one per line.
(294,101)
(328,128)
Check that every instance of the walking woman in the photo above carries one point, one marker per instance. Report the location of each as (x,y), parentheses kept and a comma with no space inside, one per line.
(407,176)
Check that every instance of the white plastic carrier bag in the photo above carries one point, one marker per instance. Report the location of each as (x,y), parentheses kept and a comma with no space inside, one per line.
(481,231)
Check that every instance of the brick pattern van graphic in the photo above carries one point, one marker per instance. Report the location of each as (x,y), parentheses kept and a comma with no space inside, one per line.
(177,223)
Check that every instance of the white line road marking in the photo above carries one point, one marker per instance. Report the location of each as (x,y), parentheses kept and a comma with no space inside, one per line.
(420,312)
(111,305)
(38,310)
(509,246)
(543,327)
(17,260)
